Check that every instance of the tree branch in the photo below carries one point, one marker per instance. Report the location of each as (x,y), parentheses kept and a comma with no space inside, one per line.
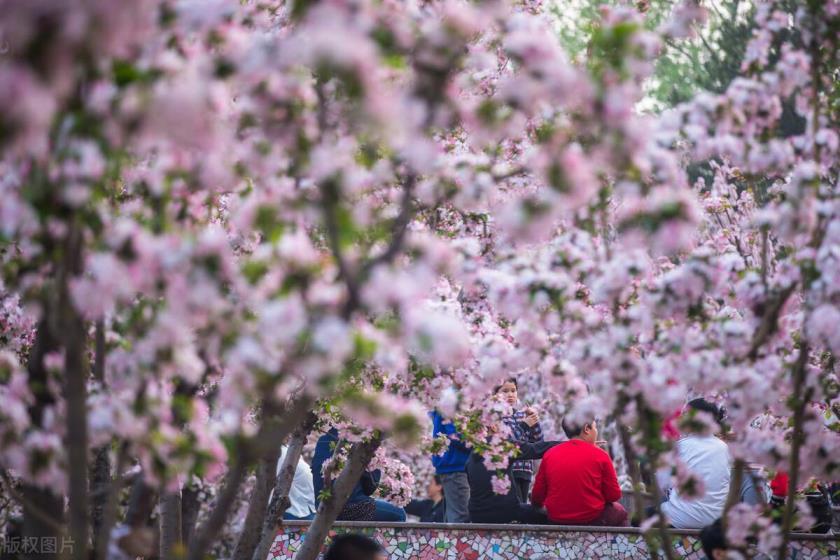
(274,427)
(357,460)
(769,321)
(283,483)
(400,227)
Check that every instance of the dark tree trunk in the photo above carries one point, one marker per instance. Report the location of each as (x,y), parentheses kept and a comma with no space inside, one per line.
(357,460)
(170,525)
(282,484)
(42,518)
(43,511)
(190,506)
(76,370)
(250,535)
(111,489)
(141,503)
(100,482)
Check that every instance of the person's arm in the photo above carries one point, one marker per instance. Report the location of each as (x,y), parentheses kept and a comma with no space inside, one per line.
(455,440)
(456,443)
(540,489)
(420,508)
(531,451)
(535,433)
(609,482)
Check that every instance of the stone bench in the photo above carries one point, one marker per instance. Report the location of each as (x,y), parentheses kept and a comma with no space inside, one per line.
(430,541)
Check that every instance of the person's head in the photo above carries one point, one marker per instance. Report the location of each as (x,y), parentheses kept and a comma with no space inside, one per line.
(353,546)
(713,540)
(702,405)
(435,489)
(586,430)
(508,391)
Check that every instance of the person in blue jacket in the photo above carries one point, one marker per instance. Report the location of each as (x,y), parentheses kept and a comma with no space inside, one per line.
(451,467)
(359,506)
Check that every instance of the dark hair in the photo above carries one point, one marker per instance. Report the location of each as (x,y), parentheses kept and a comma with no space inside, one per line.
(353,546)
(713,538)
(437,480)
(508,380)
(703,405)
(574,430)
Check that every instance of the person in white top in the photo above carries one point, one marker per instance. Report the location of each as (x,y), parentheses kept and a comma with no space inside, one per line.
(302,492)
(708,458)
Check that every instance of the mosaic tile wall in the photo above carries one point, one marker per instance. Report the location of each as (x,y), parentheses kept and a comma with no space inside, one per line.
(474,544)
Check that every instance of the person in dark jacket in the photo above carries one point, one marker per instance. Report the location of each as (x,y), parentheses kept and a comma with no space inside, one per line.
(359,506)
(488,507)
(451,468)
(432,509)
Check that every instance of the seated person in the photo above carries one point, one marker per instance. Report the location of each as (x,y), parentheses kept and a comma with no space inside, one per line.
(708,458)
(353,546)
(576,481)
(302,491)
(432,509)
(488,507)
(359,506)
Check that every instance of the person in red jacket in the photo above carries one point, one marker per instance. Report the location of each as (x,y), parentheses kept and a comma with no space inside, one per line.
(576,481)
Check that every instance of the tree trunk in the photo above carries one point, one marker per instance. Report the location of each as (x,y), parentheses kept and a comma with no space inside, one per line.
(190,506)
(112,488)
(170,525)
(734,495)
(274,428)
(74,337)
(357,460)
(43,510)
(42,518)
(798,401)
(250,535)
(283,483)
(209,531)
(141,503)
(100,482)
(636,477)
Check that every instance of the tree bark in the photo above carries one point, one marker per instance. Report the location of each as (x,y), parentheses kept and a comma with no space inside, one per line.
(798,400)
(636,477)
(170,525)
(249,537)
(76,370)
(279,502)
(102,533)
(734,495)
(662,524)
(43,510)
(141,502)
(357,460)
(190,506)
(100,483)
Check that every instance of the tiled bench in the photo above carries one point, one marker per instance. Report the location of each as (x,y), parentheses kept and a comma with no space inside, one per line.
(429,541)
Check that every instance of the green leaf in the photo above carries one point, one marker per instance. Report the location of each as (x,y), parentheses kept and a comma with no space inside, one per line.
(267,222)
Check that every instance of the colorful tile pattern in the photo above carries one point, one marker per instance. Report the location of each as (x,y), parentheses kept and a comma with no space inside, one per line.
(505,544)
